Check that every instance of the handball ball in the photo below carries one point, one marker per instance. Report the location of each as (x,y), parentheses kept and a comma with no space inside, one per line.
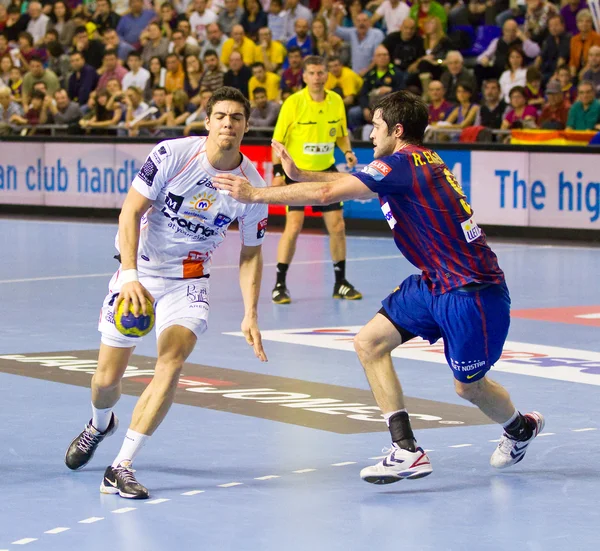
(129,325)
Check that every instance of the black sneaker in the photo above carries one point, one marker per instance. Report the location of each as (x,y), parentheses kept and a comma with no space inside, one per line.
(120,480)
(82,448)
(346,290)
(280,294)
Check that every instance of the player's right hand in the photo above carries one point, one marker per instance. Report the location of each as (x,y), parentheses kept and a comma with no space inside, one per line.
(134,295)
(287,162)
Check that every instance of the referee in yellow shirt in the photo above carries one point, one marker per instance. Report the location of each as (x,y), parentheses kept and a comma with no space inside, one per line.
(310,124)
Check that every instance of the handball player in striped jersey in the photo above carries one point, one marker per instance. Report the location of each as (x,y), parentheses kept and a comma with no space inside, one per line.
(460,295)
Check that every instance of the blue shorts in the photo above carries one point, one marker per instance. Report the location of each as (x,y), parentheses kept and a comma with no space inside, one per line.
(473,323)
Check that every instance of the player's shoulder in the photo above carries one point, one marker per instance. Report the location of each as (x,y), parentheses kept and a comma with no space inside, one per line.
(333,98)
(251,173)
(387,166)
(176,150)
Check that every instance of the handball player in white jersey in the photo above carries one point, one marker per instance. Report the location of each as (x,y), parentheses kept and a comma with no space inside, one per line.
(171,222)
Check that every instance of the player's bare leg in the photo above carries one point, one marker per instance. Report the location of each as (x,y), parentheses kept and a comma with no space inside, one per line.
(336,228)
(106,391)
(175,344)
(294,221)
(519,430)
(374,344)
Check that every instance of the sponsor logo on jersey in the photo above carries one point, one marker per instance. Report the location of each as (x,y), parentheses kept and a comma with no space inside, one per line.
(197,294)
(206,182)
(195,230)
(148,172)
(378,170)
(318,148)
(387,213)
(471,230)
(144,257)
(261,228)
(202,201)
(174,202)
(221,220)
(162,152)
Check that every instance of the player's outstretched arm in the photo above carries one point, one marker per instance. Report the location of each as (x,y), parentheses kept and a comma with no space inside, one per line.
(305,193)
(251,265)
(132,291)
(297,175)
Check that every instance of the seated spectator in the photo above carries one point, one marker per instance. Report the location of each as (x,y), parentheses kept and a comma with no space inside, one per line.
(276,18)
(582,42)
(137,75)
(132,24)
(464,113)
(38,22)
(569,13)
(474,13)
(520,115)
(422,9)
(200,18)
(344,81)
(61,22)
(9,108)
(266,80)
(569,89)
(180,108)
(265,112)
(169,18)
(254,18)
(291,78)
(15,23)
(393,13)
(238,43)
(175,77)
(584,114)
(134,104)
(27,51)
(515,74)
(37,73)
(111,69)
(363,40)
(58,62)
(83,79)
(301,39)
(158,77)
(591,72)
(4,47)
(154,44)
(100,117)
(213,75)
(439,106)
(15,83)
(92,50)
(104,16)
(294,10)
(533,88)
(193,78)
(111,41)
(238,75)
(406,50)
(555,112)
(196,122)
(437,45)
(268,51)
(555,49)
(6,64)
(229,16)
(493,107)
(214,40)
(149,121)
(63,110)
(37,111)
(455,72)
(536,19)
(185,27)
(180,46)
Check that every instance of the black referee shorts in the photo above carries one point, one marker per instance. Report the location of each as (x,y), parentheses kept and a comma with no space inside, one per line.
(316,208)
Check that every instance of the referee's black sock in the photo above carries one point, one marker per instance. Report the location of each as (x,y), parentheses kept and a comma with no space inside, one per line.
(339,268)
(281,273)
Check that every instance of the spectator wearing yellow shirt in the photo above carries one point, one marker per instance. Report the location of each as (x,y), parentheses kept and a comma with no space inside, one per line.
(269,51)
(239,42)
(261,78)
(175,77)
(343,80)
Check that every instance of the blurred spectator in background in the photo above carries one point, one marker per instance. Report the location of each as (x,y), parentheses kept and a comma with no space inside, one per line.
(137,75)
(230,16)
(6,64)
(493,107)
(591,72)
(261,78)
(294,11)
(100,117)
(92,50)
(269,51)
(212,78)
(464,114)
(61,22)
(455,72)
(555,48)
(291,78)
(301,38)
(27,51)
(276,20)
(193,78)
(9,109)
(38,22)
(15,24)
(254,18)
(214,40)
(422,9)
(569,89)
(111,41)
(437,45)
(158,76)
(238,75)
(175,77)
(406,49)
(200,18)
(344,81)
(196,121)
(265,112)
(569,12)
(240,43)
(582,42)
(183,47)
(533,88)
(180,109)
(520,115)
(439,106)
(104,17)
(111,69)
(154,44)
(63,110)
(555,111)
(37,73)
(515,74)
(393,13)
(132,24)
(83,79)
(584,114)
(536,19)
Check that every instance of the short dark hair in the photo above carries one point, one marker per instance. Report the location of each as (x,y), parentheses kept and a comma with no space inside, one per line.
(37,94)
(518,90)
(134,54)
(491,81)
(81,29)
(532,74)
(258,64)
(159,89)
(36,58)
(465,85)
(294,50)
(53,32)
(407,109)
(334,58)
(227,93)
(259,90)
(211,53)
(110,52)
(75,52)
(27,36)
(313,60)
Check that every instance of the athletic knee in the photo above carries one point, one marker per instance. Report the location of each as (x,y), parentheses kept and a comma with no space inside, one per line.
(369,346)
(471,392)
(337,227)
(106,378)
(169,367)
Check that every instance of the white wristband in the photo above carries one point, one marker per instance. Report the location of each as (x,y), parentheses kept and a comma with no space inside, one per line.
(127,276)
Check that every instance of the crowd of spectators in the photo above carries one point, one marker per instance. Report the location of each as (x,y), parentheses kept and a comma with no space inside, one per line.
(143,68)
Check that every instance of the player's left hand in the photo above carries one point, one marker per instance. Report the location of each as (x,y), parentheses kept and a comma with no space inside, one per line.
(253,338)
(351,159)
(238,188)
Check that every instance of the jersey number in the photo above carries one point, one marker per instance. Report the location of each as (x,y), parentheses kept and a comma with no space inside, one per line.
(456,186)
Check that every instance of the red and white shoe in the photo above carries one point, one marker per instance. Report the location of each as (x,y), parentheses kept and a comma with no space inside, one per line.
(398,465)
(509,451)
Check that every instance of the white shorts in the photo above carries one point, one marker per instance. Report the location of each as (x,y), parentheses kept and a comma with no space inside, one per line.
(177,302)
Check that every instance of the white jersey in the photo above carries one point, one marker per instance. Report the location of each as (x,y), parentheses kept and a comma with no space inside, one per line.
(189,216)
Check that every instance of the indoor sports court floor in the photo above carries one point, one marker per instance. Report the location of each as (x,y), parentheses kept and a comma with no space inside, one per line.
(261,457)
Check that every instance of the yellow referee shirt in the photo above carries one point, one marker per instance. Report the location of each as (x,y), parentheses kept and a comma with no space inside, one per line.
(309,129)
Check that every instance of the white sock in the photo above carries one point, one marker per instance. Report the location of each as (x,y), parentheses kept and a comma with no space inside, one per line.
(388,416)
(101,418)
(132,444)
(512,419)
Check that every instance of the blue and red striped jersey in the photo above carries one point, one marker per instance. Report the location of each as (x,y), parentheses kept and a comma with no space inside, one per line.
(431,220)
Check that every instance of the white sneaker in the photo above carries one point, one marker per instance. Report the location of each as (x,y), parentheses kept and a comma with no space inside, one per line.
(509,451)
(397,465)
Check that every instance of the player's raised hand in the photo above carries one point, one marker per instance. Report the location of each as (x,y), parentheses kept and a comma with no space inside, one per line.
(134,295)
(287,162)
(239,188)
(253,338)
